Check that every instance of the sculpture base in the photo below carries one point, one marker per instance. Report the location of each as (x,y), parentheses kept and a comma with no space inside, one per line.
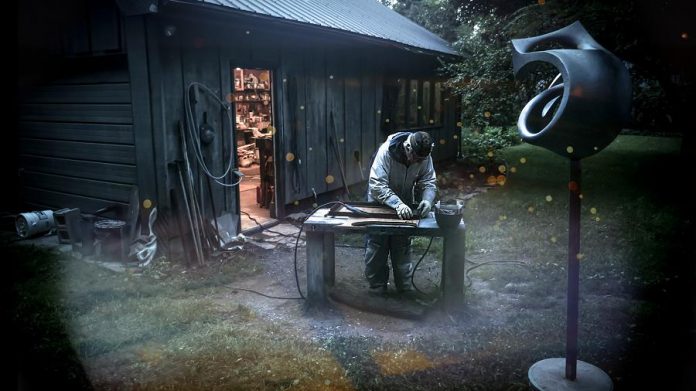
(549,374)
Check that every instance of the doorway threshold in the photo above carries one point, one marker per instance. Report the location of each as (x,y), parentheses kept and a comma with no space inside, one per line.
(258,228)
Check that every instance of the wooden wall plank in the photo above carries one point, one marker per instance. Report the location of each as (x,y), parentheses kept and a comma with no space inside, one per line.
(380,133)
(228,147)
(236,53)
(155,34)
(171,103)
(106,153)
(214,152)
(371,114)
(103,133)
(353,115)
(96,76)
(140,94)
(78,186)
(201,65)
(81,93)
(317,119)
(99,113)
(44,199)
(120,173)
(294,135)
(336,148)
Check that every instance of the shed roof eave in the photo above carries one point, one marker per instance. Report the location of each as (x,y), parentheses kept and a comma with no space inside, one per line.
(448,53)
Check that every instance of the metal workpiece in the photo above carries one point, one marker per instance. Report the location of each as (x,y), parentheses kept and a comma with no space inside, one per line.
(582,111)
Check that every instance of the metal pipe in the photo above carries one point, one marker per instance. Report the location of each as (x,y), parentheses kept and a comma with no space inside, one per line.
(573,270)
(196,243)
(193,205)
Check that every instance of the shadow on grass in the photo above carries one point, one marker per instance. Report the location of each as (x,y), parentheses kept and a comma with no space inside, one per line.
(41,356)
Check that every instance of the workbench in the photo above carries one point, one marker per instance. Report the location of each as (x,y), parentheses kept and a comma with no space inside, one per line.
(321,229)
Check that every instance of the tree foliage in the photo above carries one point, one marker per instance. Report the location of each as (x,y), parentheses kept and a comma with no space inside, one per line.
(481,31)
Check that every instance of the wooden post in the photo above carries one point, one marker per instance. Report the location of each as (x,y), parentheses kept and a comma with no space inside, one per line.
(329,259)
(316,291)
(453,268)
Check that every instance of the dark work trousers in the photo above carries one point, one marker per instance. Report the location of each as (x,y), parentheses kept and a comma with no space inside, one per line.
(378,248)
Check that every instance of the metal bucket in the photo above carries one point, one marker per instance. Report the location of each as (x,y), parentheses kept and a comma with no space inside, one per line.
(29,224)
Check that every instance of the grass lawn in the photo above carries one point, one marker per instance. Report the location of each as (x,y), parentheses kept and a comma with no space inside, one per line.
(75,325)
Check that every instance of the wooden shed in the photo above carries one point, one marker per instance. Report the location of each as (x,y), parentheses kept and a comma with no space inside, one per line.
(294,94)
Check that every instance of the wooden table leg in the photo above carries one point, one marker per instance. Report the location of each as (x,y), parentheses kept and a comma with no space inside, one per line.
(329,259)
(453,269)
(320,265)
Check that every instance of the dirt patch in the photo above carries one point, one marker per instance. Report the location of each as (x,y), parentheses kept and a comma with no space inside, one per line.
(238,322)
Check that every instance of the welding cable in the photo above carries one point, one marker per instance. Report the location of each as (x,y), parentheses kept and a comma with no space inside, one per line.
(198,153)
(265,295)
(418,263)
(476,265)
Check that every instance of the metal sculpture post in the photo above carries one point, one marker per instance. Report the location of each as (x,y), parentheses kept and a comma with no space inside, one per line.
(577,116)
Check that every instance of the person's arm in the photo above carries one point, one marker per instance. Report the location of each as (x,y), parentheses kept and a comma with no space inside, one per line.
(379,180)
(427,181)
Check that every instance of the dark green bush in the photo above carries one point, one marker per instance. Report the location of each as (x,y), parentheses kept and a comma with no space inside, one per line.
(478,142)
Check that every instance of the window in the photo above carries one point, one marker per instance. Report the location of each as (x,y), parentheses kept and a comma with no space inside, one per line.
(426,117)
(401,102)
(413,103)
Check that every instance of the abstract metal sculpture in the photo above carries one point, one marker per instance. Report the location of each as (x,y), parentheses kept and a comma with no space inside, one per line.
(595,93)
(575,118)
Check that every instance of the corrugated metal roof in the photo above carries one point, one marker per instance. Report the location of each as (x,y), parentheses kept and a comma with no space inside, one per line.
(365,17)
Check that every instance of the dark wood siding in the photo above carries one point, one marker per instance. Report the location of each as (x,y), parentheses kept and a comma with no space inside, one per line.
(316,79)
(76,144)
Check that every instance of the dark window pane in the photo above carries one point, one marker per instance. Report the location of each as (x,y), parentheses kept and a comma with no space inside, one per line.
(413,104)
(426,108)
(437,104)
(401,104)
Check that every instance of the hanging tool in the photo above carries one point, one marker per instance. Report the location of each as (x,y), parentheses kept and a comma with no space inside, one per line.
(206,131)
(189,214)
(196,215)
(334,144)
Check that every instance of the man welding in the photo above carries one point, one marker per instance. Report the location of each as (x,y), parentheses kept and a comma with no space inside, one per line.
(402,169)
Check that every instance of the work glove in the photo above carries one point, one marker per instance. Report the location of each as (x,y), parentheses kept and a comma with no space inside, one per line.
(404,211)
(424,208)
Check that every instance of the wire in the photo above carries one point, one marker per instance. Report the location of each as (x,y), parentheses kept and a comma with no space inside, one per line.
(418,263)
(477,265)
(265,295)
(198,152)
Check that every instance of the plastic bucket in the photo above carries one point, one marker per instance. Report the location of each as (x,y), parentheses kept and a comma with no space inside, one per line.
(29,224)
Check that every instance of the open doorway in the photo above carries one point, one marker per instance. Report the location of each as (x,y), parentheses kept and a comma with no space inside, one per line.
(254,133)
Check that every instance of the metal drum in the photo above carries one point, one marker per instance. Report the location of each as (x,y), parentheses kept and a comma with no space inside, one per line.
(108,235)
(30,224)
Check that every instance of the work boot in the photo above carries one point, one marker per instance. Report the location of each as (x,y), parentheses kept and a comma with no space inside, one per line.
(377,291)
(414,296)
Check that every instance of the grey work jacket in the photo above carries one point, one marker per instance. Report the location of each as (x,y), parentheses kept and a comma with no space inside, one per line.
(392,182)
